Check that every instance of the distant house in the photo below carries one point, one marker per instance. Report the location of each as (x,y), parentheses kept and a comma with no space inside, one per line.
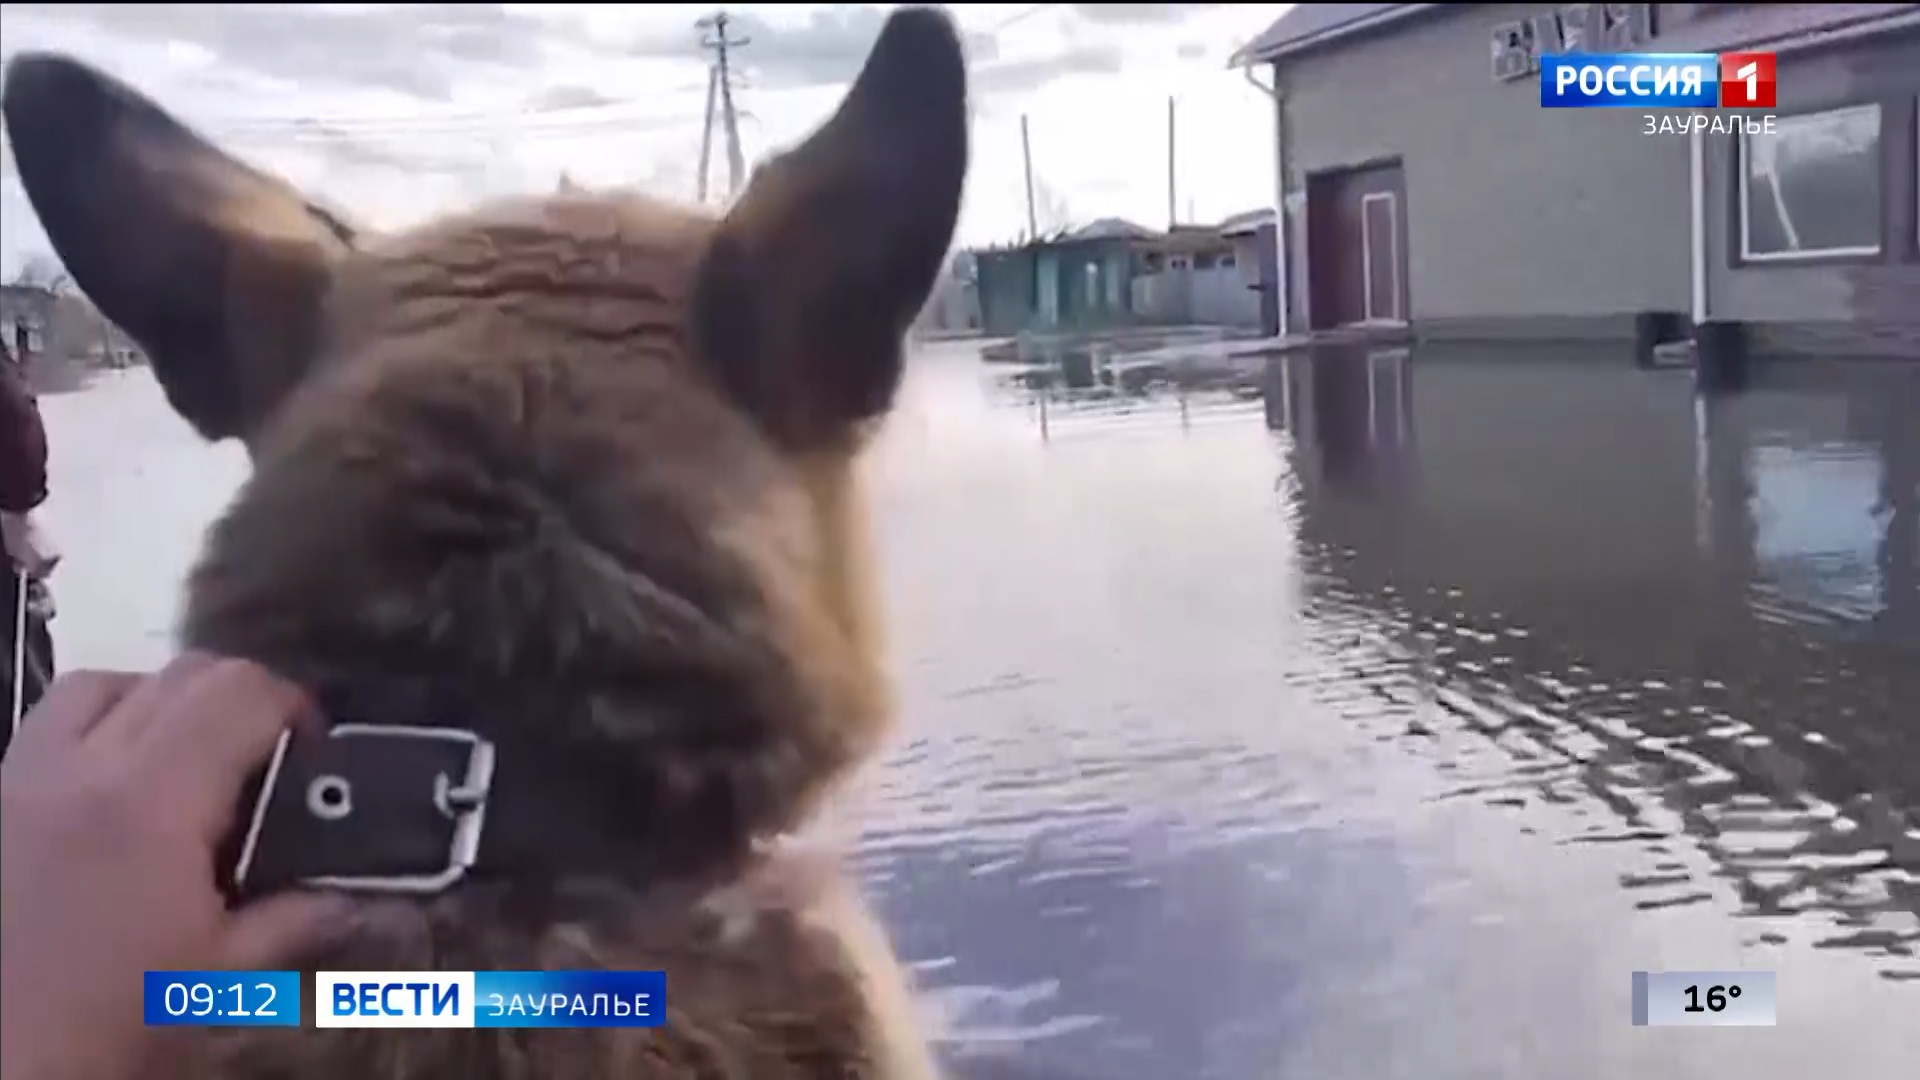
(26,319)
(47,329)
(1111,274)
(953,307)
(1424,186)
(1080,280)
(1185,247)
(1192,276)
(1243,232)
(1254,235)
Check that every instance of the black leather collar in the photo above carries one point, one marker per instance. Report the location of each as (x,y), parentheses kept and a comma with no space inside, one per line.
(367,807)
(402,809)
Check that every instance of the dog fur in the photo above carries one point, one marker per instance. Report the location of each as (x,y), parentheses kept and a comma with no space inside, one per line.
(592,460)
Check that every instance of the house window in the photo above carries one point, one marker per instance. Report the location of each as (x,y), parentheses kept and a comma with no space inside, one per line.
(1812,188)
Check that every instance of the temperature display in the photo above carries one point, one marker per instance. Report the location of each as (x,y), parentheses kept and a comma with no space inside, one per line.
(1703,998)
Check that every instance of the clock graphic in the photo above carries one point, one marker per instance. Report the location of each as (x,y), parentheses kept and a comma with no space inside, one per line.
(222,998)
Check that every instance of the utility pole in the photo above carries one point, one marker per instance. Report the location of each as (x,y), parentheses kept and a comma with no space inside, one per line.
(1026,155)
(1173,215)
(706,137)
(720,91)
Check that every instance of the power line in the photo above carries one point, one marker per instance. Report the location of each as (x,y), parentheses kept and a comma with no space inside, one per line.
(373,140)
(600,119)
(1020,17)
(592,118)
(588,117)
(414,146)
(720,77)
(439,117)
(599,127)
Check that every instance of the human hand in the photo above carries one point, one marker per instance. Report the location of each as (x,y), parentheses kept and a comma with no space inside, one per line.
(28,545)
(40,600)
(113,798)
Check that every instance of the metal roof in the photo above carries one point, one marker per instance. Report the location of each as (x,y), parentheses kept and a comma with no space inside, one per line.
(1246,221)
(1110,228)
(1785,26)
(1778,26)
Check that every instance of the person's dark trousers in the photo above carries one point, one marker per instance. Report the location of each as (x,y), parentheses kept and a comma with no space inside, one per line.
(37,671)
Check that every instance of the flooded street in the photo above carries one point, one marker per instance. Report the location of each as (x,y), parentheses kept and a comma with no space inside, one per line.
(1363,719)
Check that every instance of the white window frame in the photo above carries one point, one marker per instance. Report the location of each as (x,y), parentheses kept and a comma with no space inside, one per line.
(1747,254)
(1393,256)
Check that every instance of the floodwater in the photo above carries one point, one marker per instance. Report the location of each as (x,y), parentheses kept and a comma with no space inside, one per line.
(1361,717)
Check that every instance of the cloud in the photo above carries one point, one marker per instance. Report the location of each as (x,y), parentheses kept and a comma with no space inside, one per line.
(417,49)
(566,97)
(1139,14)
(399,112)
(1032,73)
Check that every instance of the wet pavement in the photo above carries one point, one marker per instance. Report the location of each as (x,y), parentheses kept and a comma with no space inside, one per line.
(1347,717)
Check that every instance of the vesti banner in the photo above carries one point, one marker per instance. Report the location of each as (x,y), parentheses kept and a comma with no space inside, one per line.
(489,999)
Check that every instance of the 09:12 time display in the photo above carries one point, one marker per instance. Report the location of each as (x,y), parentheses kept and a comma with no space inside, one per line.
(222,998)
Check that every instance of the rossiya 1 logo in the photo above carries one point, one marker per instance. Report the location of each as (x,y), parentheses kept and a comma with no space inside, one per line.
(1747,81)
(1629,80)
(1658,81)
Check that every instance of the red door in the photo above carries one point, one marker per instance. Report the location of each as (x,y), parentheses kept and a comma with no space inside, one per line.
(1356,246)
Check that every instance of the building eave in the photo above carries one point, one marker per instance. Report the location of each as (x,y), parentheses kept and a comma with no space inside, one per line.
(1890,18)
(1838,32)
(1798,29)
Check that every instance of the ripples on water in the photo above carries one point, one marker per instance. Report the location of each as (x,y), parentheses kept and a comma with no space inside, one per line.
(1711,644)
(1348,717)
(1365,717)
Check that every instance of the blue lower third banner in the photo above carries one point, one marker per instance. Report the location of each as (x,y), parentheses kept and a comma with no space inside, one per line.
(489,999)
(222,998)
(1630,80)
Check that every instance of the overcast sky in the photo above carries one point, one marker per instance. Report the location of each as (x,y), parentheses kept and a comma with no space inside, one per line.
(392,112)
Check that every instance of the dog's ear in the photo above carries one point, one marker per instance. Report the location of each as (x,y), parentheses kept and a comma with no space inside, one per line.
(217,270)
(805,296)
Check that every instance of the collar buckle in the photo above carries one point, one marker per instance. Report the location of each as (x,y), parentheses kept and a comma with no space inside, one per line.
(330,779)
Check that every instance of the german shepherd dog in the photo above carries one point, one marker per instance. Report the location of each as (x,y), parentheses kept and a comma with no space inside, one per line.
(590,463)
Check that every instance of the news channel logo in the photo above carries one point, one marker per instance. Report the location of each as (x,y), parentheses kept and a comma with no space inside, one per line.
(1658,81)
(489,999)
(408,999)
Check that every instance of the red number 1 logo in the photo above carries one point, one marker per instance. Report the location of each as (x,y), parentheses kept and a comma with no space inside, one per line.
(1747,81)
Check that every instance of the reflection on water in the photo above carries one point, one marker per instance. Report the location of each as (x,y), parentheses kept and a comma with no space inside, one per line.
(1379,721)
(1542,579)
(1701,615)
(1353,717)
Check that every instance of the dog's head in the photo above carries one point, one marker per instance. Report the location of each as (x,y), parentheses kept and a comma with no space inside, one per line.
(588,456)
